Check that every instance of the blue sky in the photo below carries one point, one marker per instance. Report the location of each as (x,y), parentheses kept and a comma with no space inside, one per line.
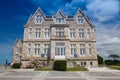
(104,14)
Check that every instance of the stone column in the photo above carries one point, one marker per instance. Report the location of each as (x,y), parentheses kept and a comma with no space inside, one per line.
(52,54)
(67,52)
(78,49)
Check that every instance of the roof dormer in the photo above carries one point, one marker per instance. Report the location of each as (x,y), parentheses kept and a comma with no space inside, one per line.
(79,16)
(59,17)
(38,16)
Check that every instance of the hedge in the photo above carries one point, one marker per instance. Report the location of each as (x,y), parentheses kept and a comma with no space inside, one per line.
(112,62)
(16,65)
(60,65)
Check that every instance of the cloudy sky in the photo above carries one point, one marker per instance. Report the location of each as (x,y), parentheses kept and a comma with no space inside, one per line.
(104,14)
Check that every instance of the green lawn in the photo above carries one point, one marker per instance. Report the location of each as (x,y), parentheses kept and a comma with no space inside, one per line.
(114,67)
(43,69)
(68,69)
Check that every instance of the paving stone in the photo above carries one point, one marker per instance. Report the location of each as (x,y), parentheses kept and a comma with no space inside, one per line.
(108,78)
(101,74)
(1,72)
(22,73)
(64,79)
(60,74)
(118,73)
(13,78)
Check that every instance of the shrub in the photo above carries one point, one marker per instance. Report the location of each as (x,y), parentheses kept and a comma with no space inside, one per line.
(16,65)
(112,62)
(35,64)
(60,65)
(108,62)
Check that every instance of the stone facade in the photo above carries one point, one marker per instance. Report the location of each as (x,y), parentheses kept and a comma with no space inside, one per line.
(17,51)
(59,37)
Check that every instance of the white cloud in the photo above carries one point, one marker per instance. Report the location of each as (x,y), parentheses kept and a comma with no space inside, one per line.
(103,9)
(108,39)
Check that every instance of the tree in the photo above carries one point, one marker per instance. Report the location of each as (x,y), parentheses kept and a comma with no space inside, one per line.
(114,56)
(100,59)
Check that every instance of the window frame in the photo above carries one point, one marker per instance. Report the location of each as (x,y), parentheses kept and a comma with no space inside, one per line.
(80,19)
(38,19)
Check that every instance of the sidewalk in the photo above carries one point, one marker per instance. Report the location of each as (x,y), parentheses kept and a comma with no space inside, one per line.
(101,69)
(98,73)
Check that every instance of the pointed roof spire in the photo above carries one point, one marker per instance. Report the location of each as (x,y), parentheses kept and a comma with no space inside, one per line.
(31,16)
(16,41)
(79,9)
(39,9)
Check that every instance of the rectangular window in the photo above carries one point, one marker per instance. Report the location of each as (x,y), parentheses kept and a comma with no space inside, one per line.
(59,43)
(73,49)
(88,32)
(59,51)
(81,33)
(37,33)
(38,19)
(37,49)
(59,20)
(46,49)
(72,33)
(80,19)
(84,63)
(59,48)
(81,63)
(30,33)
(29,49)
(90,49)
(47,33)
(59,32)
(91,63)
(82,49)
(18,50)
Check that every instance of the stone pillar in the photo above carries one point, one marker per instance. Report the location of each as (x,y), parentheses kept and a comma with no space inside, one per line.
(67,52)
(87,48)
(78,50)
(77,33)
(52,54)
(32,49)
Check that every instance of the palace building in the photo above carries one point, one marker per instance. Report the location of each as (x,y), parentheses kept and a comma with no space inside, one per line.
(58,37)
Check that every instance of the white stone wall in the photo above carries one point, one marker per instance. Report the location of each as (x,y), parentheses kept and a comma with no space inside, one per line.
(71,24)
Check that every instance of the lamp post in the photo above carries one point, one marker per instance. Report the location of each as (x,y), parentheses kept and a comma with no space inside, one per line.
(6,64)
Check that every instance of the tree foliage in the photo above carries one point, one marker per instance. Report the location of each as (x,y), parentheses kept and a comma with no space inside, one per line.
(114,56)
(100,59)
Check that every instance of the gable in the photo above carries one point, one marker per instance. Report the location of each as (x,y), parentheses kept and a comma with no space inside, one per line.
(18,42)
(59,14)
(34,16)
(85,17)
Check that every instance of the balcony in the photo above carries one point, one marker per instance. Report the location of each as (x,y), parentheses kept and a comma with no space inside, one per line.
(61,37)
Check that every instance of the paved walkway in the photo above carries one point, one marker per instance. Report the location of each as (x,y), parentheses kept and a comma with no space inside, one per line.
(103,69)
(29,74)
